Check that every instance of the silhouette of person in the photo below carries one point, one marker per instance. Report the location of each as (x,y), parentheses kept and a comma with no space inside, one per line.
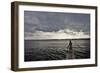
(70,45)
(71,53)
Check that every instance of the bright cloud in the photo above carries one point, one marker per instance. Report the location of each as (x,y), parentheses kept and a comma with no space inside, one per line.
(61,34)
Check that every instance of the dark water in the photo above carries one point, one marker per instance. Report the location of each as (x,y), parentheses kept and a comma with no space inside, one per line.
(41,50)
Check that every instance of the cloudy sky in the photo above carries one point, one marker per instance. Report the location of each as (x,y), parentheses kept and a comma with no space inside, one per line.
(56,25)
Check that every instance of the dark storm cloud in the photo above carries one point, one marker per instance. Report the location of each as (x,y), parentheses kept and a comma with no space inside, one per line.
(50,21)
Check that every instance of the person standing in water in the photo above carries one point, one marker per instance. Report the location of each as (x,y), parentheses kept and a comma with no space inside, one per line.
(70,50)
(70,45)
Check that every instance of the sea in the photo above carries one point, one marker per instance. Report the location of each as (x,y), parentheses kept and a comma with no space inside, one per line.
(56,49)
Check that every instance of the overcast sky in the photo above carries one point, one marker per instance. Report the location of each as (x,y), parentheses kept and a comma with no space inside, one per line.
(56,25)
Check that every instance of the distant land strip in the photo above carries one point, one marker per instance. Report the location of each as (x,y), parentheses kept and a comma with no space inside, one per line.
(58,39)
